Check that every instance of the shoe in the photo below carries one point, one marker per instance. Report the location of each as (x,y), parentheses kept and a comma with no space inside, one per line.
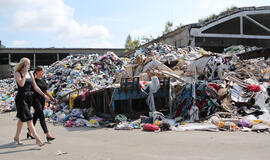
(28,135)
(40,144)
(50,138)
(17,141)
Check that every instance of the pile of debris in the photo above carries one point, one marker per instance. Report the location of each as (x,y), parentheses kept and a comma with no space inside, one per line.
(7,96)
(220,90)
(74,72)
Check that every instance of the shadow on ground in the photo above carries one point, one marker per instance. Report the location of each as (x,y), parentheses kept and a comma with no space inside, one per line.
(13,145)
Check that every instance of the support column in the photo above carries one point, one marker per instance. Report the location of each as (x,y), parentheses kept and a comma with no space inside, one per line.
(34,63)
(9,58)
(57,56)
(9,64)
(241,25)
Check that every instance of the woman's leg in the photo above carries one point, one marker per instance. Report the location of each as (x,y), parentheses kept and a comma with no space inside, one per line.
(39,114)
(33,131)
(19,129)
(35,117)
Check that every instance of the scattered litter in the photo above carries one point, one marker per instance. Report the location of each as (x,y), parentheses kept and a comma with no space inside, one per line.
(59,152)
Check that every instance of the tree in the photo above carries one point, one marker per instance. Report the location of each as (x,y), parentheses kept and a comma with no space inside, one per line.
(128,42)
(168,27)
(131,44)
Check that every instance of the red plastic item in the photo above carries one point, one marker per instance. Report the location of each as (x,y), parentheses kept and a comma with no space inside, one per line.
(150,127)
(254,88)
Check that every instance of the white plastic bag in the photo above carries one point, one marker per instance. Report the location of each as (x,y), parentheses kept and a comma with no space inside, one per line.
(154,87)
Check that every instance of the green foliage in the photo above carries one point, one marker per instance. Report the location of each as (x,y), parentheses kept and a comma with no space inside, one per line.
(168,27)
(202,20)
(229,9)
(130,44)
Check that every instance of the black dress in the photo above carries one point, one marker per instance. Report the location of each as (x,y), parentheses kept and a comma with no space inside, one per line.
(39,103)
(23,100)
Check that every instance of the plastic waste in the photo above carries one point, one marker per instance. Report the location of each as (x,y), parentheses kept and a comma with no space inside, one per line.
(124,126)
(260,128)
(121,118)
(151,127)
(195,126)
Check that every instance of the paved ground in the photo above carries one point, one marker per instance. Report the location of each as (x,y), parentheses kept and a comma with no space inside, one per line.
(108,144)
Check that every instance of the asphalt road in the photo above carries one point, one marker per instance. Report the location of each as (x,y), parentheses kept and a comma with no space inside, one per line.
(108,144)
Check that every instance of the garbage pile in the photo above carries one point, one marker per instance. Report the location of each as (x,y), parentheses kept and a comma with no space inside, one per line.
(209,91)
(7,102)
(74,72)
(220,91)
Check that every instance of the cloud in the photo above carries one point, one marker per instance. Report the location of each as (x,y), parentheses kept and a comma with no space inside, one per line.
(19,43)
(52,16)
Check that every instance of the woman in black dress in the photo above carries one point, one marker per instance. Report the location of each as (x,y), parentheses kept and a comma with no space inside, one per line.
(39,102)
(25,80)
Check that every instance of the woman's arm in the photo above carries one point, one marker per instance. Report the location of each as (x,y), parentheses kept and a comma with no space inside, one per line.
(20,79)
(51,97)
(37,88)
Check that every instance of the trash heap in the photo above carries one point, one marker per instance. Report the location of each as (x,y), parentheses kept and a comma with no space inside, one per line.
(207,91)
(76,71)
(7,102)
(210,91)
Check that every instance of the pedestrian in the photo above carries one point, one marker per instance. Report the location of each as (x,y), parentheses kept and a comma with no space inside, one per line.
(38,102)
(25,81)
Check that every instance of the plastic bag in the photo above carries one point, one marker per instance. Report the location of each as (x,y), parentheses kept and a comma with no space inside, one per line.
(150,127)
(154,87)
(195,126)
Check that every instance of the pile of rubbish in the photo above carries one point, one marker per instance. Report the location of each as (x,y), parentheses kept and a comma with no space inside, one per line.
(233,92)
(207,91)
(74,72)
(7,96)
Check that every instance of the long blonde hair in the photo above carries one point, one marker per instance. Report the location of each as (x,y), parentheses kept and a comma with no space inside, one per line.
(19,66)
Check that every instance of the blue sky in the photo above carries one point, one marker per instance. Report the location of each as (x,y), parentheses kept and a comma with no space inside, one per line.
(99,23)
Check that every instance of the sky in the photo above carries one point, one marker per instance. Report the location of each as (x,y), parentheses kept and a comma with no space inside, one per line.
(99,23)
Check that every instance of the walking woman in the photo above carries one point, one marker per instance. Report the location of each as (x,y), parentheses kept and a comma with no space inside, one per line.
(25,80)
(39,102)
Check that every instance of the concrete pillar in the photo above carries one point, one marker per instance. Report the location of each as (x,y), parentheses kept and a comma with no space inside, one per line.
(241,25)
(9,58)
(34,63)
(9,64)
(57,56)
